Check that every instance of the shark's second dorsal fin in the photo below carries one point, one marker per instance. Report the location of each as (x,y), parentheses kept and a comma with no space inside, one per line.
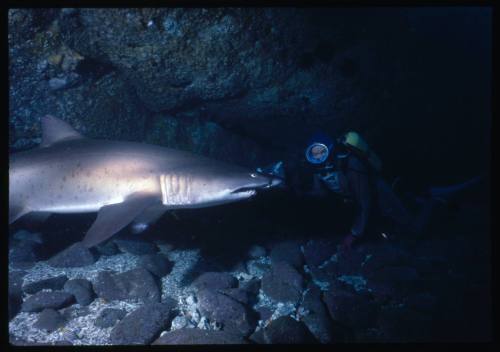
(55,130)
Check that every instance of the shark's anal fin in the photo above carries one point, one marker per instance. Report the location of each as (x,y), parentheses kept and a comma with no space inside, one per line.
(112,218)
(147,217)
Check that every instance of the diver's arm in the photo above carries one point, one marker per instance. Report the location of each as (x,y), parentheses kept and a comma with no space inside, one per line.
(317,189)
(358,182)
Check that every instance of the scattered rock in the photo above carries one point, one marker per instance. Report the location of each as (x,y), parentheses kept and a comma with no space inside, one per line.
(283,283)
(15,292)
(215,281)
(354,310)
(137,247)
(288,252)
(316,252)
(137,283)
(74,311)
(264,312)
(144,324)
(23,255)
(14,305)
(252,286)
(257,268)
(256,252)
(180,322)
(75,255)
(109,317)
(49,320)
(107,248)
(286,330)
(237,294)
(53,283)
(81,289)
(64,81)
(15,282)
(317,318)
(156,264)
(225,310)
(43,299)
(199,337)
(258,337)
(23,235)
(164,246)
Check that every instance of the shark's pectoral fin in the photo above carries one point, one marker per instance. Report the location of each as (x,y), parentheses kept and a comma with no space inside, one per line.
(15,213)
(147,217)
(37,216)
(112,218)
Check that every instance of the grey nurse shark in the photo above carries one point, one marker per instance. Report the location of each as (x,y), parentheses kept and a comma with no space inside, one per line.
(124,182)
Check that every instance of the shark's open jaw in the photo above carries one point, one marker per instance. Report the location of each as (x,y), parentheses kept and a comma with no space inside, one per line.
(250,191)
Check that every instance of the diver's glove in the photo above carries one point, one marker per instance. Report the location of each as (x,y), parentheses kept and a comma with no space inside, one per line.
(275,170)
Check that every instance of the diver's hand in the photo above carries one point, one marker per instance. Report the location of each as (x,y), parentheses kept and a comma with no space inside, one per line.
(347,243)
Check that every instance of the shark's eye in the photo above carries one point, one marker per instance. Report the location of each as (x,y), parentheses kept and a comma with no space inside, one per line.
(254,175)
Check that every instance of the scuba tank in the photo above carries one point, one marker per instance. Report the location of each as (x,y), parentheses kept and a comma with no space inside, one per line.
(355,143)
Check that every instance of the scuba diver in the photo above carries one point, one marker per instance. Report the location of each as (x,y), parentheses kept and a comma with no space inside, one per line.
(347,167)
(350,169)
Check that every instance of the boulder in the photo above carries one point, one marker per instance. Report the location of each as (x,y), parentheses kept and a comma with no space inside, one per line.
(137,283)
(283,283)
(156,264)
(316,252)
(109,317)
(107,248)
(53,283)
(41,300)
(81,289)
(49,320)
(75,255)
(215,281)
(351,309)
(16,282)
(233,315)
(286,330)
(144,324)
(289,252)
(199,337)
(256,252)
(317,318)
(24,255)
(138,247)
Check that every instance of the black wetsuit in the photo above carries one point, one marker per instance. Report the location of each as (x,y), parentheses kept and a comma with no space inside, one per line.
(353,179)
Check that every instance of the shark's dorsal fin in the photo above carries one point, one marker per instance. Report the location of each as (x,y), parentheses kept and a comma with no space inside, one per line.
(55,130)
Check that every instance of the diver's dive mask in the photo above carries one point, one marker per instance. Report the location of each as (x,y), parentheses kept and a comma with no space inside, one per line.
(317,153)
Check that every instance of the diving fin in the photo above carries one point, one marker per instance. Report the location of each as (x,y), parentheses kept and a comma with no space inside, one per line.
(113,218)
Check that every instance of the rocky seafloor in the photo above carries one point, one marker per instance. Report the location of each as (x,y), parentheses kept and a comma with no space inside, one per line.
(182,289)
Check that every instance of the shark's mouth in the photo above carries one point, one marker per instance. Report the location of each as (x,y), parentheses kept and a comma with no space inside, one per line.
(248,190)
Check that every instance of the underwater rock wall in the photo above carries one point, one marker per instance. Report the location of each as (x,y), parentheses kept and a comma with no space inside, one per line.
(250,84)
